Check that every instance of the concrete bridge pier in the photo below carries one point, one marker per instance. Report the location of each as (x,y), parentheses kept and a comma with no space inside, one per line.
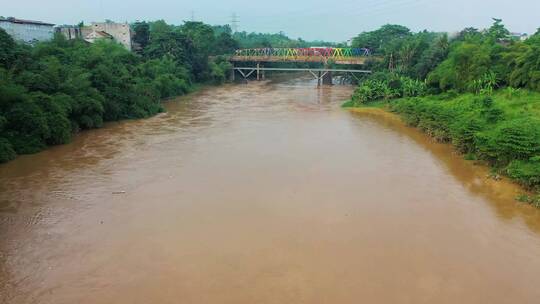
(327,79)
(260,72)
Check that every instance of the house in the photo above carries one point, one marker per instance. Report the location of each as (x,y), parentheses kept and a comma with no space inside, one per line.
(27,30)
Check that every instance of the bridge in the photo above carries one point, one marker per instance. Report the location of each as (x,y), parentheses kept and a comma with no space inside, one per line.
(324,56)
(344,56)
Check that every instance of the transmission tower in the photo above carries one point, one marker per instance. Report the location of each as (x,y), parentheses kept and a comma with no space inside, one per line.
(234,23)
(192,16)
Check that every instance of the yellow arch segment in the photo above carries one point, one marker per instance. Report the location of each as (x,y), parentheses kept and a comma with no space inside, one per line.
(338,52)
(292,52)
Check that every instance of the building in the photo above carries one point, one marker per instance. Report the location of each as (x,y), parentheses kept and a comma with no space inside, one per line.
(119,32)
(27,30)
(69,31)
(518,36)
(98,35)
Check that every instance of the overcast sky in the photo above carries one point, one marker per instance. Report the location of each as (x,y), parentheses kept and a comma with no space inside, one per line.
(336,20)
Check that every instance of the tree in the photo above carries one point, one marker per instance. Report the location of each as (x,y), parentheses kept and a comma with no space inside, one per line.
(523,62)
(7,48)
(379,40)
(466,63)
(203,41)
(497,31)
(469,33)
(432,57)
(224,44)
(142,35)
(170,43)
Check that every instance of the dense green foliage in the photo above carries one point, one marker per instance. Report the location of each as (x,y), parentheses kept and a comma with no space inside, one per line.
(475,91)
(191,45)
(503,129)
(473,61)
(386,86)
(381,41)
(51,90)
(488,61)
(404,52)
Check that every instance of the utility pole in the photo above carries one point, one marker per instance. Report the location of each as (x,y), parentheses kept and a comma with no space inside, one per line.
(234,23)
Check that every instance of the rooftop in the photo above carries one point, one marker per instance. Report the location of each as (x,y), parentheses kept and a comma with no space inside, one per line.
(22,21)
(102,34)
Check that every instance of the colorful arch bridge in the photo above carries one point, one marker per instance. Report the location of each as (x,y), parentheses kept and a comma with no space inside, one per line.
(346,56)
(324,56)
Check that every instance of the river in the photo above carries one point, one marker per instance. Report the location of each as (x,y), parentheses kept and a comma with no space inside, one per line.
(262,193)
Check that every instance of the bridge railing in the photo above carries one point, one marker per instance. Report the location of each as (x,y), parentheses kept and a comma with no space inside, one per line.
(304,52)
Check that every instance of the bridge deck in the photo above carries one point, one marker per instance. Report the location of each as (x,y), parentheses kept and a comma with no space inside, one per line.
(319,59)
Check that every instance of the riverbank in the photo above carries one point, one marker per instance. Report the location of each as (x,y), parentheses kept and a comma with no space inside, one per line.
(500,131)
(52,90)
(194,88)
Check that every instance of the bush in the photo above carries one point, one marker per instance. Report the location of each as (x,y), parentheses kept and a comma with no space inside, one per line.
(490,128)
(526,172)
(386,87)
(517,139)
(465,132)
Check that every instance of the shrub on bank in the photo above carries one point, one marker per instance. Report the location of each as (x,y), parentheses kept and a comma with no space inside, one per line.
(503,131)
(387,86)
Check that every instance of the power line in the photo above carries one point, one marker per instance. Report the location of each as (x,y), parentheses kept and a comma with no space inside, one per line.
(234,23)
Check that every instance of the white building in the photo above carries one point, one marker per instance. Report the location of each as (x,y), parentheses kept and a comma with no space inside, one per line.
(27,30)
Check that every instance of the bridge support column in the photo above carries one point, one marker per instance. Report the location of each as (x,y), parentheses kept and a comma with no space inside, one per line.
(320,76)
(324,78)
(327,78)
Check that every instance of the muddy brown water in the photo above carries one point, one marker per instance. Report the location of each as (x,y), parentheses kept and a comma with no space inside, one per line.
(262,193)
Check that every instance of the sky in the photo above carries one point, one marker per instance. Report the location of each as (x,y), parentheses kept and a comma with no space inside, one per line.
(309,19)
